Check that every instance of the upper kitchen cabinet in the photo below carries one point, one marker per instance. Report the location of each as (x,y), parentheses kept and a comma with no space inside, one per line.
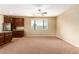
(7,19)
(18,22)
(18,27)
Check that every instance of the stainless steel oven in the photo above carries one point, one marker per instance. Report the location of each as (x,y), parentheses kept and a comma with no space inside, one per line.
(7,27)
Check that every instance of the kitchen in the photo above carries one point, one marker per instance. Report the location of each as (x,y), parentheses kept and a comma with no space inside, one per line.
(10,27)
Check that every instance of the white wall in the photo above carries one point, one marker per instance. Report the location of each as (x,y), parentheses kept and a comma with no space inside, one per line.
(68,26)
(50,32)
(1,22)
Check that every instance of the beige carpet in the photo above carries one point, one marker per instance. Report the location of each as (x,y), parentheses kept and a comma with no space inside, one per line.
(38,45)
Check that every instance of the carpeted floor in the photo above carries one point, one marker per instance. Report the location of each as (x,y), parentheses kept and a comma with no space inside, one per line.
(38,45)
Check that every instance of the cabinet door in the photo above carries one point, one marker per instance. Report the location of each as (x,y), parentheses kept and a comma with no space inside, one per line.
(1,38)
(18,33)
(18,21)
(8,37)
(7,19)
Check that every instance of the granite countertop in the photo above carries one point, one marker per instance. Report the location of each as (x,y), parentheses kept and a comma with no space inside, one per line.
(18,29)
(5,31)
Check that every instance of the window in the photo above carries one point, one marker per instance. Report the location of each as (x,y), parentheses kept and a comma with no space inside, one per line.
(39,24)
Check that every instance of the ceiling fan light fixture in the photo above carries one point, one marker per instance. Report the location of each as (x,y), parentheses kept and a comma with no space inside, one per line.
(40,12)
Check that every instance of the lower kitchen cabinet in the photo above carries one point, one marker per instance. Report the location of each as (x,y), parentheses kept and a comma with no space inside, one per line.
(5,37)
(18,33)
(1,38)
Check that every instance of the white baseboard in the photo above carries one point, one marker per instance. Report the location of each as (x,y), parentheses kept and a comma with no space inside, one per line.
(70,42)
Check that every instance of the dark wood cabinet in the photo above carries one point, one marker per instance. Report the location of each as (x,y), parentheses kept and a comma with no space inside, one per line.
(8,37)
(7,19)
(1,38)
(5,37)
(18,33)
(15,22)
(18,21)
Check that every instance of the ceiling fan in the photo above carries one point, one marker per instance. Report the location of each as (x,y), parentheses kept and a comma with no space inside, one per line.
(42,13)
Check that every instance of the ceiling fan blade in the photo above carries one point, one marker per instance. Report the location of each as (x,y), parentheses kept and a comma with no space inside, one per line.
(44,13)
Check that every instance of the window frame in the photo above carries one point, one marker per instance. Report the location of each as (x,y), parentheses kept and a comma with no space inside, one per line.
(34,20)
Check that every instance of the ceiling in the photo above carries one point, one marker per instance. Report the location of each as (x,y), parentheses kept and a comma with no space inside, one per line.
(31,9)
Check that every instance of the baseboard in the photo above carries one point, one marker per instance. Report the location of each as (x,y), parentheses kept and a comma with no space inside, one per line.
(40,35)
(70,42)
